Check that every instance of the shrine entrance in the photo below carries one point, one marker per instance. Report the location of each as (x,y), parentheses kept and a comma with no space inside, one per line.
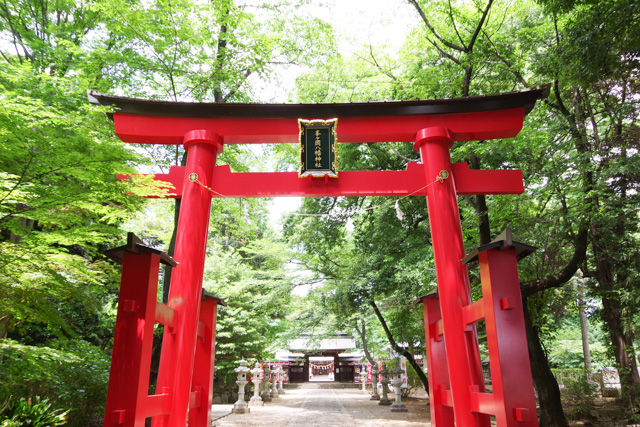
(321,369)
(456,384)
(330,359)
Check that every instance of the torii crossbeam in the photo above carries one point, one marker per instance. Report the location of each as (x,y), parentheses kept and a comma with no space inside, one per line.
(433,126)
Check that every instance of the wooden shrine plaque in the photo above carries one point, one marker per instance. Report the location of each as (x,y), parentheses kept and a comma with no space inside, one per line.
(318,148)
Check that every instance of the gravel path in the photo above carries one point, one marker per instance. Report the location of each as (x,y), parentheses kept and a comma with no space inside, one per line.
(311,405)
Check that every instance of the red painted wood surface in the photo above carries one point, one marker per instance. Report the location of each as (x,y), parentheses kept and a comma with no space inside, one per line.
(465,369)
(202,378)
(440,402)
(512,402)
(178,345)
(464,127)
(128,403)
(410,182)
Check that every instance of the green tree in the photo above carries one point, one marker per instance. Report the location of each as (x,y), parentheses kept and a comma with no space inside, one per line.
(60,199)
(253,280)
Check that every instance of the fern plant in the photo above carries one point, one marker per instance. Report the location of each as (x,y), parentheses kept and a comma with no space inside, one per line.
(29,412)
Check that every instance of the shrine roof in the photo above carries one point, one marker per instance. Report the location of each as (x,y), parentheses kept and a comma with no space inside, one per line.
(145,107)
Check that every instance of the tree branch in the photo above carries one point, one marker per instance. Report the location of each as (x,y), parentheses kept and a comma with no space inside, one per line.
(375,62)
(400,350)
(363,336)
(433,30)
(562,277)
(474,37)
(410,160)
(455,27)
(445,53)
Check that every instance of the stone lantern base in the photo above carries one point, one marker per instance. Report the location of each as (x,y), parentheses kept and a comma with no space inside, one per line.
(241,409)
(398,407)
(256,401)
(384,401)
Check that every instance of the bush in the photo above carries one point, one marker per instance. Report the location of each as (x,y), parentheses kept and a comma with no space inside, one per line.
(72,375)
(32,413)
(578,396)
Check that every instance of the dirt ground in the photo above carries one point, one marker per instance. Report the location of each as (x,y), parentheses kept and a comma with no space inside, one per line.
(606,413)
(315,406)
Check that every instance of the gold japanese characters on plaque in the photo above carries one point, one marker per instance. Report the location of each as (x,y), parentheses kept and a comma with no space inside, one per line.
(318,148)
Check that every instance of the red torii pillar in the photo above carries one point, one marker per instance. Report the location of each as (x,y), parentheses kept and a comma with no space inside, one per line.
(128,401)
(512,400)
(179,346)
(461,341)
(459,393)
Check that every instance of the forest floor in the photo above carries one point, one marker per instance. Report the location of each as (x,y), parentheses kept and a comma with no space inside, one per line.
(607,412)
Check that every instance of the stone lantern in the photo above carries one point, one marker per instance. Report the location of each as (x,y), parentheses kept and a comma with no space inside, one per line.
(274,382)
(374,380)
(396,382)
(266,393)
(255,378)
(281,377)
(241,406)
(363,377)
(384,400)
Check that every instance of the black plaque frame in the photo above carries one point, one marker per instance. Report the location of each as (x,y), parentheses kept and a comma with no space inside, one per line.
(318,148)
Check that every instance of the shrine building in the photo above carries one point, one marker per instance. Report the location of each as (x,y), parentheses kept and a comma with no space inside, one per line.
(309,359)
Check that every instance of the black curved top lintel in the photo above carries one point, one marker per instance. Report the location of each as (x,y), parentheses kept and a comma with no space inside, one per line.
(144,107)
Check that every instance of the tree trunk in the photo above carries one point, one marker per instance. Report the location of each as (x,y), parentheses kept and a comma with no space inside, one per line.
(551,412)
(398,349)
(612,316)
(5,323)
(484,225)
(585,332)
(623,351)
(363,336)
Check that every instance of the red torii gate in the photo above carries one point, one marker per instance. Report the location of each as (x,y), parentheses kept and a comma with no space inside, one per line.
(433,126)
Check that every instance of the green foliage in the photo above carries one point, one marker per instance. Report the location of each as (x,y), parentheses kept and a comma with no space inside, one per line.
(205,50)
(578,396)
(53,36)
(60,200)
(564,345)
(73,375)
(32,413)
(598,37)
(252,279)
